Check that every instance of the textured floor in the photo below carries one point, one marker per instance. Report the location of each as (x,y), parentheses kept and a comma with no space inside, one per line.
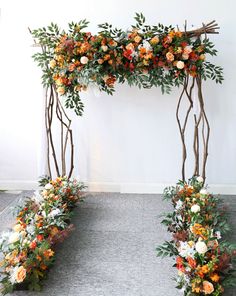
(112,250)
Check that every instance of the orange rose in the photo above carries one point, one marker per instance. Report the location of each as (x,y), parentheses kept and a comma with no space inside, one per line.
(130,46)
(205,268)
(215,277)
(20,274)
(208,287)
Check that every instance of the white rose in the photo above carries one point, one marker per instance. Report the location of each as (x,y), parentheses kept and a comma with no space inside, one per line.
(195,208)
(218,234)
(180,65)
(203,191)
(200,179)
(84,60)
(54,213)
(14,237)
(104,48)
(201,247)
(48,186)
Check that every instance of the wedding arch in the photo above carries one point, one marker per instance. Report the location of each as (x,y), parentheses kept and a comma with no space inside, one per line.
(145,56)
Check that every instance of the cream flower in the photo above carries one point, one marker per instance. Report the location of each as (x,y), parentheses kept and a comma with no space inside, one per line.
(201,247)
(18,228)
(14,237)
(195,208)
(137,39)
(54,213)
(48,186)
(61,90)
(104,48)
(84,60)
(180,65)
(203,191)
(200,179)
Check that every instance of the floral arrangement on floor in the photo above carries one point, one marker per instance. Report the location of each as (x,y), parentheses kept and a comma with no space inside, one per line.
(144,55)
(205,261)
(43,220)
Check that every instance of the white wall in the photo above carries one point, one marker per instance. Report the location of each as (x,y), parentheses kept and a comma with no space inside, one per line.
(128,142)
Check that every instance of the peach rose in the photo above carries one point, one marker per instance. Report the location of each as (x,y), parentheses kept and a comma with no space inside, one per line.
(130,46)
(52,64)
(18,228)
(137,39)
(155,40)
(104,48)
(20,274)
(180,65)
(185,56)
(202,57)
(208,288)
(61,90)
(170,57)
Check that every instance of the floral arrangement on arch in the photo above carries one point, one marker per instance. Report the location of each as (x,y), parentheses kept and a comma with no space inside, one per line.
(41,222)
(205,262)
(145,56)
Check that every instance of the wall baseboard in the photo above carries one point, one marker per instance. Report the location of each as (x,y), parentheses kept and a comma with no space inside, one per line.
(139,188)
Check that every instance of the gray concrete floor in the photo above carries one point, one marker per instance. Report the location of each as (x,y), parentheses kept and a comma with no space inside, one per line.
(112,250)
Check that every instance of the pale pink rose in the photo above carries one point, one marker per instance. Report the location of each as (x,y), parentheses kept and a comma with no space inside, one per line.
(188,49)
(104,48)
(84,60)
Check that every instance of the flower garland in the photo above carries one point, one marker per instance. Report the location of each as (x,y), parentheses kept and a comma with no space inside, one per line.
(203,259)
(144,55)
(44,220)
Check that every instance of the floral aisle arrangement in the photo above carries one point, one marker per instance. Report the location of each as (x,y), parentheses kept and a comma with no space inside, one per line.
(205,261)
(44,220)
